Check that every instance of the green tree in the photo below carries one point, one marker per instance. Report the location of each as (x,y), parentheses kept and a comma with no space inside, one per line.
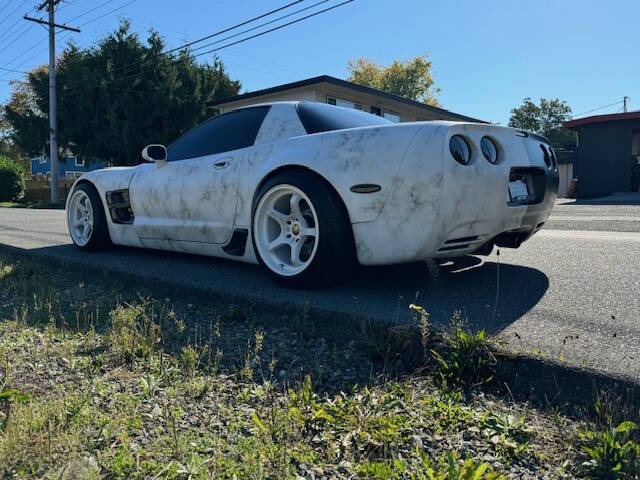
(545,119)
(410,78)
(7,146)
(122,94)
(25,128)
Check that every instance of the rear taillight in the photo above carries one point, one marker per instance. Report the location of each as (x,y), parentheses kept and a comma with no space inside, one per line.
(460,149)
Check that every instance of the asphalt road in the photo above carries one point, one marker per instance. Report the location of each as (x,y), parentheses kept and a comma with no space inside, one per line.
(558,293)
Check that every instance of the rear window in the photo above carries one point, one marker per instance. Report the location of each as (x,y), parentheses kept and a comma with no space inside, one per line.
(320,117)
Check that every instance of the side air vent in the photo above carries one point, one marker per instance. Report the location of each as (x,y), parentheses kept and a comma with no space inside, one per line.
(461,240)
(238,242)
(462,243)
(120,207)
(453,247)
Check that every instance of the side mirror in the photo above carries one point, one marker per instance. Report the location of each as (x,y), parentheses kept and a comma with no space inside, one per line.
(155,153)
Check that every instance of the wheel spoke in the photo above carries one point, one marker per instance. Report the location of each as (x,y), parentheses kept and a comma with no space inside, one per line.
(280,240)
(294,205)
(77,223)
(85,231)
(309,232)
(277,216)
(296,247)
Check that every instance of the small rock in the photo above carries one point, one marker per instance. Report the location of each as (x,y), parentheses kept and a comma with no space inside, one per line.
(81,468)
(416,442)
(344,466)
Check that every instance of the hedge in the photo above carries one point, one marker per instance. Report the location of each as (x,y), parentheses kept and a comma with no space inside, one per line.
(11,180)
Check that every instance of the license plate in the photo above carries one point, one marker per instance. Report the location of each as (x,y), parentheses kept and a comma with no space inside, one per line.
(518,191)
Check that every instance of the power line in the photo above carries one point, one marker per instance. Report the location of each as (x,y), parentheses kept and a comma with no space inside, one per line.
(128,74)
(186,45)
(5,6)
(40,41)
(108,13)
(91,10)
(11,70)
(259,26)
(13,11)
(127,69)
(274,29)
(9,31)
(599,108)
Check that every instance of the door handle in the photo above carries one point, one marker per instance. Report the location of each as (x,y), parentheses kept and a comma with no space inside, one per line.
(221,164)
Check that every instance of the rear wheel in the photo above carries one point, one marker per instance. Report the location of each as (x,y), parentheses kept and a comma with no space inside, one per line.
(86,219)
(301,232)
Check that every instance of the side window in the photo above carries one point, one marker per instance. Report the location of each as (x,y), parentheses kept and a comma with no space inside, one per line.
(231,131)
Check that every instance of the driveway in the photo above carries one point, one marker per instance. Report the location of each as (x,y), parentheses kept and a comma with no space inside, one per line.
(570,294)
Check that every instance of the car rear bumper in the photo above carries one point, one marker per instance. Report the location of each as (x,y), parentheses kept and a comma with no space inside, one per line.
(439,208)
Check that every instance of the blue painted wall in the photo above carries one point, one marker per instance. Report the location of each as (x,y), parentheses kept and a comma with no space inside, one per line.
(68,165)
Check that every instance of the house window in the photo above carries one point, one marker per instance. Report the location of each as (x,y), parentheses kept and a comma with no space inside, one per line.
(79,162)
(394,117)
(376,111)
(343,103)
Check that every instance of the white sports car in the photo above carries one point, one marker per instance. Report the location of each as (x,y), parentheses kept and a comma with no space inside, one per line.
(305,189)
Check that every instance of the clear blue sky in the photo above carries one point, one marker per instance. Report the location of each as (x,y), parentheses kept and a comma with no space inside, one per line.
(487,55)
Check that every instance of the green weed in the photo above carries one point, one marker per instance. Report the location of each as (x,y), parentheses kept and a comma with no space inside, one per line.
(613,453)
(467,361)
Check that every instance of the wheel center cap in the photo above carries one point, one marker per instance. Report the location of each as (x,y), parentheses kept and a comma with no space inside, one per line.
(295,229)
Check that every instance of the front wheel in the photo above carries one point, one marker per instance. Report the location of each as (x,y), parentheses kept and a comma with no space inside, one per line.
(86,219)
(301,232)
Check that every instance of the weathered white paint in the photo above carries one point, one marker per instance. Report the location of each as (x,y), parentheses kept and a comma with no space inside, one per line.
(426,197)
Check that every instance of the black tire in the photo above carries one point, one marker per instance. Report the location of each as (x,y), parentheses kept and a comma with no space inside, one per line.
(335,254)
(99,238)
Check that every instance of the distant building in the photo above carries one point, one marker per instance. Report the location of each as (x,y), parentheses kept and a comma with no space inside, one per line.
(608,155)
(326,89)
(69,165)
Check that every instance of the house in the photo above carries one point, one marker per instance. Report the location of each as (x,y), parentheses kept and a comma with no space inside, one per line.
(69,165)
(608,152)
(326,89)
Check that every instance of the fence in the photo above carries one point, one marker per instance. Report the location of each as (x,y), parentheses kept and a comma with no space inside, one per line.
(38,187)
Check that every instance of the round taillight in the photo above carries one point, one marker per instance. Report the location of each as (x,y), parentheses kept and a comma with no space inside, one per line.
(460,149)
(489,149)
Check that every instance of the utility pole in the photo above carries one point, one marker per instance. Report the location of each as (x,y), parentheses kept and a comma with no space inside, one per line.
(53,121)
(625,99)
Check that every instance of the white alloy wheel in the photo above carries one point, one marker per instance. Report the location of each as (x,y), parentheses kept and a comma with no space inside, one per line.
(285,225)
(80,218)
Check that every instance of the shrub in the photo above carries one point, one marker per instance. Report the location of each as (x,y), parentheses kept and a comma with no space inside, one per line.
(11,180)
